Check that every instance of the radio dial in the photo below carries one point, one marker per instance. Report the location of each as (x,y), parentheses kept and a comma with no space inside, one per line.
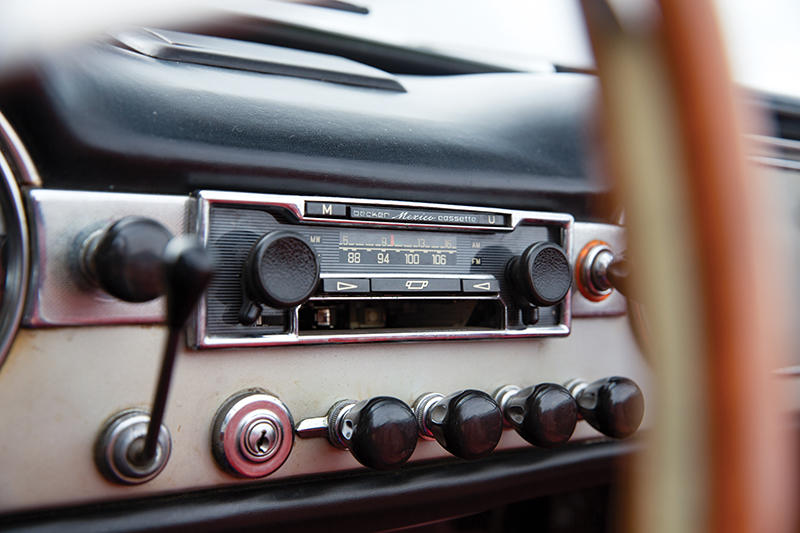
(281,270)
(541,274)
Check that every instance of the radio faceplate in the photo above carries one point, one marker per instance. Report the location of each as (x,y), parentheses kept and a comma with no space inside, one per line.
(387,270)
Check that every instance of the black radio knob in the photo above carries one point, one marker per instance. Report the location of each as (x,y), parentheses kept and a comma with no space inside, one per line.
(467,424)
(544,415)
(613,406)
(541,274)
(281,270)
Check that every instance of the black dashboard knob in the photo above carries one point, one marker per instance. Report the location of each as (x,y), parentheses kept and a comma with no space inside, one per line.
(544,415)
(127,259)
(541,274)
(467,424)
(613,406)
(381,433)
(281,270)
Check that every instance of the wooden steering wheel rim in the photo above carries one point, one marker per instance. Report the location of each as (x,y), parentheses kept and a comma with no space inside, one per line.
(718,458)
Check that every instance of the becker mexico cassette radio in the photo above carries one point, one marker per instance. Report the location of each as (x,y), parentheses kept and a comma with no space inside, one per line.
(294,269)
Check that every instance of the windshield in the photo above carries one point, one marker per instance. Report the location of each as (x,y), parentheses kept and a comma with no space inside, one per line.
(523,35)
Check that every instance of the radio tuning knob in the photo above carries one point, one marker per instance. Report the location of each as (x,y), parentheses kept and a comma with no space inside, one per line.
(281,271)
(613,406)
(541,274)
(544,415)
(467,424)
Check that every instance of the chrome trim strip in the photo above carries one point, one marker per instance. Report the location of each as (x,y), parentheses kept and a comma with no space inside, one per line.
(20,159)
(788,371)
(407,275)
(18,266)
(293,338)
(334,297)
(777,162)
(196,326)
(296,204)
(776,142)
(775,151)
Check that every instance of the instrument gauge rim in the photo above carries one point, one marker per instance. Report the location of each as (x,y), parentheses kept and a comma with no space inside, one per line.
(17,272)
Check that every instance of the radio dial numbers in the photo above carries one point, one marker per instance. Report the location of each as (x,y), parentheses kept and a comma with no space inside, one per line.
(367,247)
(412,259)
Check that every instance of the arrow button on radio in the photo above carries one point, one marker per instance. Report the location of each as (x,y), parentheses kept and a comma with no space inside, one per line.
(345,285)
(482,286)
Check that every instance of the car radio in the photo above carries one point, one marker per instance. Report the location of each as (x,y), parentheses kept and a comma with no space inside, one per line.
(293,269)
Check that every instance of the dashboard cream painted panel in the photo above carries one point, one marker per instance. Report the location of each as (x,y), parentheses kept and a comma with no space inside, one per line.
(59,385)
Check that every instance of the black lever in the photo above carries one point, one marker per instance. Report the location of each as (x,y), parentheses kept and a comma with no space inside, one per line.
(134,446)
(188,270)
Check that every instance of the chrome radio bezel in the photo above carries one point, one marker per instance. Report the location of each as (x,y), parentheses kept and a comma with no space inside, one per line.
(295,204)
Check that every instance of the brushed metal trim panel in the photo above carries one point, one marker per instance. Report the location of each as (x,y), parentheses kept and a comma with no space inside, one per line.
(58,295)
(70,380)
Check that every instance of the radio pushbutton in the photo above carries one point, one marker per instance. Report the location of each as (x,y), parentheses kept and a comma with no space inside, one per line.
(408,285)
(325,209)
(541,274)
(345,285)
(281,270)
(480,286)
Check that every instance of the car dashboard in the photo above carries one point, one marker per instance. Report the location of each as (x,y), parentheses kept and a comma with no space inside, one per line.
(410,316)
